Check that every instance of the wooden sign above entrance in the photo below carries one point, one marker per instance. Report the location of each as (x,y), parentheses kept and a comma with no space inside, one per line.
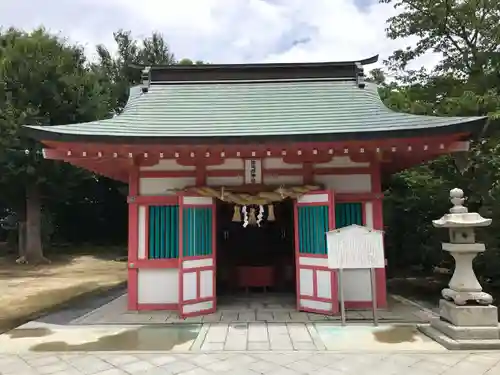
(355,247)
(253,171)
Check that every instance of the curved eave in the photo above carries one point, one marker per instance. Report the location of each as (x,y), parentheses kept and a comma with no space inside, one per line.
(209,67)
(473,128)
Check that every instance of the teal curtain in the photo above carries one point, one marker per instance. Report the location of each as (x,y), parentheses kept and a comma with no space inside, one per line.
(163,232)
(197,231)
(313,225)
(347,214)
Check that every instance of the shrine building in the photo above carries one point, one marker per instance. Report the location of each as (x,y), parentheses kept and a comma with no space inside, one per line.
(236,172)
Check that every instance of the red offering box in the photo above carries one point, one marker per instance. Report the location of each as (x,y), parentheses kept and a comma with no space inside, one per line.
(261,276)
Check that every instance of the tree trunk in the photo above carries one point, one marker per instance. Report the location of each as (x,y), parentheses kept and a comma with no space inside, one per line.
(20,210)
(34,251)
(21,238)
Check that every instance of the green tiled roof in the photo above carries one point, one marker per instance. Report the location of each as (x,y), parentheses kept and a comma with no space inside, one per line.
(243,109)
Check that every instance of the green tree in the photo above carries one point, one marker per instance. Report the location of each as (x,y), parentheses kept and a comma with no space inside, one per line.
(465,82)
(44,80)
(186,61)
(377,76)
(120,71)
(464,32)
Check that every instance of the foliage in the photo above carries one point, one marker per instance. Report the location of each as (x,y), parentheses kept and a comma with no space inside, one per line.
(121,70)
(44,80)
(186,61)
(465,82)
(464,32)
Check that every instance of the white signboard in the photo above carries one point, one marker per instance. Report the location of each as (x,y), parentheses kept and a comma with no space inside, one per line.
(355,247)
(253,171)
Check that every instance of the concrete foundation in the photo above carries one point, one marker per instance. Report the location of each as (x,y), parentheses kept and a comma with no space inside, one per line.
(466,333)
(465,327)
(468,316)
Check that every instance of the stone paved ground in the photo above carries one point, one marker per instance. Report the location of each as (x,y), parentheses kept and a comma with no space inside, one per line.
(241,363)
(253,308)
(308,336)
(234,344)
(218,337)
(261,336)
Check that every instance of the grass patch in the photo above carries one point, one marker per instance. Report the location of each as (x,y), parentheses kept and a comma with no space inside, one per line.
(27,292)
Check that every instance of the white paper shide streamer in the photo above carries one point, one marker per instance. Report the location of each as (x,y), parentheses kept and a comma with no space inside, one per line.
(245,216)
(260,216)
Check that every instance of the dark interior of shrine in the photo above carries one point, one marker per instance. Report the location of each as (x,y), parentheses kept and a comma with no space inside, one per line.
(255,259)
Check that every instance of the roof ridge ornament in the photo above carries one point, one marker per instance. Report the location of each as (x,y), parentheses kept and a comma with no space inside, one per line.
(146,79)
(360,75)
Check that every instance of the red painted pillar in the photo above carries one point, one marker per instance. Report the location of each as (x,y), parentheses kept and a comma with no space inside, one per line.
(133,225)
(308,170)
(378,223)
(201,174)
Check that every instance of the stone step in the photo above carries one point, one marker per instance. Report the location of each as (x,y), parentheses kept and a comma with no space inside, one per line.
(467,332)
(451,344)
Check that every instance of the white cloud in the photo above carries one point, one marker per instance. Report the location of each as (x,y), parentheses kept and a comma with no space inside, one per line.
(222,31)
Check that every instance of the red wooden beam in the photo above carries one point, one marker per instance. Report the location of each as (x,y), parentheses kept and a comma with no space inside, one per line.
(119,174)
(153,158)
(114,161)
(253,151)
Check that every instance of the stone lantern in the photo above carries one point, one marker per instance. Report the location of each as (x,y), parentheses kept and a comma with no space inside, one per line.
(467,318)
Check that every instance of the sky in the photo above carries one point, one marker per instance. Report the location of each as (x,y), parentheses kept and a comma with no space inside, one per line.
(223,31)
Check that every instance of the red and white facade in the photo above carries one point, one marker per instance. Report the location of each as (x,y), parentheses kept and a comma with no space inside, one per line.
(348,172)
(344,180)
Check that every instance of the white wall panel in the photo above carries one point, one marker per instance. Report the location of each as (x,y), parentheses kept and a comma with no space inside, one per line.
(357,285)
(197,201)
(158,285)
(278,163)
(225,181)
(313,261)
(324,280)
(195,307)
(189,286)
(141,234)
(368,214)
(357,183)
(232,163)
(342,162)
(306,282)
(313,198)
(206,284)
(317,305)
(168,165)
(282,180)
(162,186)
(197,263)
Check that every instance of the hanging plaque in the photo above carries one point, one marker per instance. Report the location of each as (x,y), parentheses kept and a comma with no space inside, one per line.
(253,171)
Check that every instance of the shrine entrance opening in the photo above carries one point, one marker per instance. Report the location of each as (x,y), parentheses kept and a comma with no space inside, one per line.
(259,257)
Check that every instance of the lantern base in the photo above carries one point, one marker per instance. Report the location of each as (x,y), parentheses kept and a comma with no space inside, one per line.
(465,327)
(461,298)
(461,344)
